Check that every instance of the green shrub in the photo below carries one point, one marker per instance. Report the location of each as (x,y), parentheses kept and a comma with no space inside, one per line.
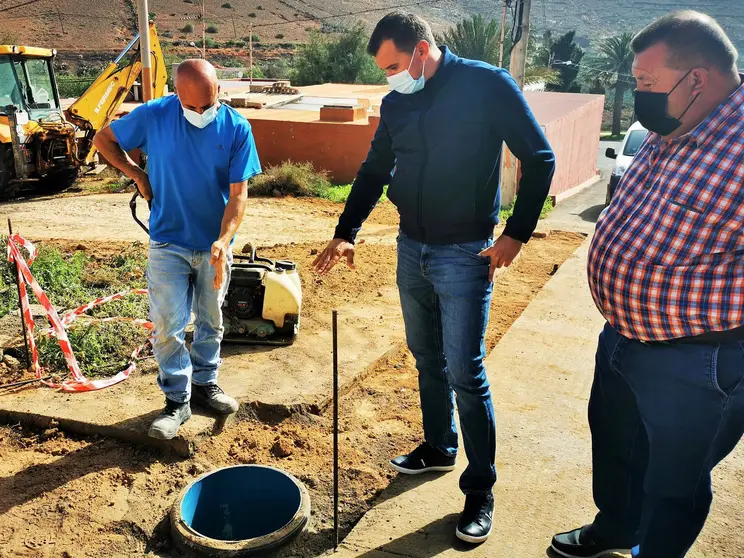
(294,179)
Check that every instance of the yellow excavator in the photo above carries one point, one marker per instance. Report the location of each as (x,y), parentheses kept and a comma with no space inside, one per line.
(43,147)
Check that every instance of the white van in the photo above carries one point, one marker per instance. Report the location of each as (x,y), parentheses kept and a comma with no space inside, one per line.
(630,146)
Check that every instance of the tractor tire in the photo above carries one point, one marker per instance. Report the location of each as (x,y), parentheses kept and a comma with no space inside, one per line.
(8,188)
(58,181)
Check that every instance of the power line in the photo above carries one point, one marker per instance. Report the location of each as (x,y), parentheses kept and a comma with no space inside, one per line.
(19,5)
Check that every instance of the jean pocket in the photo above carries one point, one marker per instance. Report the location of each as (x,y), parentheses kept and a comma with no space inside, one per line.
(156,244)
(726,365)
(473,249)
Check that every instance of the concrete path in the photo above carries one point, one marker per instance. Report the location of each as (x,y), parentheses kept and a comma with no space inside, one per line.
(541,372)
(579,213)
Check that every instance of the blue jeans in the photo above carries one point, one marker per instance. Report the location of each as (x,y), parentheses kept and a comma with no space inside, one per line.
(661,416)
(445,295)
(179,279)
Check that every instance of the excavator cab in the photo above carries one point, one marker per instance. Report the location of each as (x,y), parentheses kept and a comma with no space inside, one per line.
(27,82)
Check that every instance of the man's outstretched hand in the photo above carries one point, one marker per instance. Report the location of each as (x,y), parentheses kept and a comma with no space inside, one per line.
(502,253)
(336,249)
(219,261)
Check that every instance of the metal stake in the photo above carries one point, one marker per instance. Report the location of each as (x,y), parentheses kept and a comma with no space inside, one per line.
(20,305)
(335,429)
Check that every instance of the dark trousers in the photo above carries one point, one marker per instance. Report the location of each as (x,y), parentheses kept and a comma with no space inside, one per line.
(661,416)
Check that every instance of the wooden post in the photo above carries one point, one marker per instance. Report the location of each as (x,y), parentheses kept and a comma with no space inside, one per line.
(509,170)
(20,305)
(335,429)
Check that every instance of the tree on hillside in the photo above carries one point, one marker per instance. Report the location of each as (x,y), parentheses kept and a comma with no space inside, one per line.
(340,59)
(564,55)
(614,66)
(476,39)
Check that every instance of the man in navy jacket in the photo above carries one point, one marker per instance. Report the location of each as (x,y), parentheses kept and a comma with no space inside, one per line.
(441,129)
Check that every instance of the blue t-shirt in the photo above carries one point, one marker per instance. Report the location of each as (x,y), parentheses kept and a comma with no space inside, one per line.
(190,169)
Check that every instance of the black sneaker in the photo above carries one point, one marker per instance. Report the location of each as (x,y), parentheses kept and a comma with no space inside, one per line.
(212,397)
(423,459)
(585,543)
(167,423)
(476,520)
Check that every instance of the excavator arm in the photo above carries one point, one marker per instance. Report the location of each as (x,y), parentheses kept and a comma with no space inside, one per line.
(97,107)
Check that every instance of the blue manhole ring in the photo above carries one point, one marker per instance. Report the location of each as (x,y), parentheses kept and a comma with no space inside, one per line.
(239,511)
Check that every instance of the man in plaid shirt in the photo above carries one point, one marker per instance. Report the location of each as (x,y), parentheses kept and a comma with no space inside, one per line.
(666,269)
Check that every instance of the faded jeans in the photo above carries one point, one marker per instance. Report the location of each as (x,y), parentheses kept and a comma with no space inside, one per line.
(445,295)
(179,280)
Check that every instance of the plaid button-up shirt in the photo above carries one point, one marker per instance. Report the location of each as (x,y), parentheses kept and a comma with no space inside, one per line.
(667,257)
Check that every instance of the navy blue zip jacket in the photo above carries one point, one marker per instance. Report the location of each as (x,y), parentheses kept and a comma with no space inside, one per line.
(444,143)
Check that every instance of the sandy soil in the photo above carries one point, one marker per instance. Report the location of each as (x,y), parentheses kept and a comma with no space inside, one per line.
(62,495)
(107,217)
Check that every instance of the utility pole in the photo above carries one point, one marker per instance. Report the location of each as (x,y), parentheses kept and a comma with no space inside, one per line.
(503,32)
(61,23)
(521,33)
(519,51)
(250,58)
(144,33)
(204,33)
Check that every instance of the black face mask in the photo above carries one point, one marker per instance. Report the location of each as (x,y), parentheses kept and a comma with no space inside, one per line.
(651,110)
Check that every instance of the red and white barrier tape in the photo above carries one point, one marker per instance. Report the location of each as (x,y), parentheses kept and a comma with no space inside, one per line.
(79,382)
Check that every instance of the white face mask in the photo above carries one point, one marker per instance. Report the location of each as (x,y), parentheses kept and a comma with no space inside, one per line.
(201,120)
(403,82)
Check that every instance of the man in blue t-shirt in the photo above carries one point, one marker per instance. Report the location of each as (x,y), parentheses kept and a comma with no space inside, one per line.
(201,155)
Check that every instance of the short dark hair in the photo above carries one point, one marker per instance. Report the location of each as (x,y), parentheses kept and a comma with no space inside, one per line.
(406,30)
(693,39)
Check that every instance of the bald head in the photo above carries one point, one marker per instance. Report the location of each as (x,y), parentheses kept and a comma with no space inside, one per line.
(196,84)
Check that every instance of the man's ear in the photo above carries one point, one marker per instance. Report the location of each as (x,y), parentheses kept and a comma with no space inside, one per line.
(423,48)
(698,80)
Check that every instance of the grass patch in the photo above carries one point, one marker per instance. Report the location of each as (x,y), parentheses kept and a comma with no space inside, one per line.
(299,180)
(212,29)
(339,194)
(70,280)
(507,211)
(607,136)
(101,349)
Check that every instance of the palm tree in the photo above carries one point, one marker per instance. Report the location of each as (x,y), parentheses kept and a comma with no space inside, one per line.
(614,66)
(475,39)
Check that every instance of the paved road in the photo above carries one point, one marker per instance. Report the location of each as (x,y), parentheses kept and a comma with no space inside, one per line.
(579,213)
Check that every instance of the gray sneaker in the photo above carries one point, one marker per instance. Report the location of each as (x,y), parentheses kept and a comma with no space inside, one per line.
(212,397)
(165,426)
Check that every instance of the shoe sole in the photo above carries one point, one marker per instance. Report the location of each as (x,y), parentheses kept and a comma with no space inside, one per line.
(598,555)
(220,412)
(207,407)
(159,435)
(405,471)
(472,540)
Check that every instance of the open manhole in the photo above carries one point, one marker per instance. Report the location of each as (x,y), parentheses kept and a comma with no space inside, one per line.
(239,511)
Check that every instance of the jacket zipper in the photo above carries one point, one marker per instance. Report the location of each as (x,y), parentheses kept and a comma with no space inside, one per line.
(425,162)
